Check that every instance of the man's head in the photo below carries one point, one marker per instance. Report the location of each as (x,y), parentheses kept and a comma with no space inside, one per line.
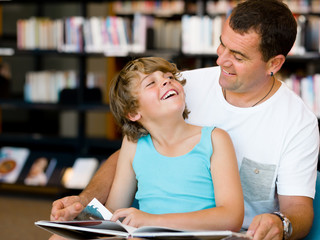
(124,99)
(271,19)
(254,42)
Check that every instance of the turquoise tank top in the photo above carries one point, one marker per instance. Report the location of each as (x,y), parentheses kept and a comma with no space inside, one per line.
(174,184)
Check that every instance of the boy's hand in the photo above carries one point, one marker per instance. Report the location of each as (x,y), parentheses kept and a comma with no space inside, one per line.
(133,217)
(66,208)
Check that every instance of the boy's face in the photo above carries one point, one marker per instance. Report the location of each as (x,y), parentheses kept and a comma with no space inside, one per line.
(159,96)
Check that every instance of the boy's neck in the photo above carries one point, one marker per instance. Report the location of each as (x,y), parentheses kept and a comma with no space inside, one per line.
(176,141)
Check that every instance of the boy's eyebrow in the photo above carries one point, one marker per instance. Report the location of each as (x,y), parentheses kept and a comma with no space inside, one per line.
(144,78)
(235,51)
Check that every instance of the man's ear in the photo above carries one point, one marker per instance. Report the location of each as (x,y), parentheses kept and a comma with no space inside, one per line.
(134,116)
(275,63)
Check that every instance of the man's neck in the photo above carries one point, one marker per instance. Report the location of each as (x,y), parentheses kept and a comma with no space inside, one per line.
(246,100)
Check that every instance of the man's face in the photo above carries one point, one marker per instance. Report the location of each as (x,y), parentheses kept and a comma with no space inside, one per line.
(242,66)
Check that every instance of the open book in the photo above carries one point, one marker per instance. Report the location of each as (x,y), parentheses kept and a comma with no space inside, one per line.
(98,224)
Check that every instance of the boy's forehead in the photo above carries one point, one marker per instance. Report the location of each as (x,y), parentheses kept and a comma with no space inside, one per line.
(137,79)
(141,76)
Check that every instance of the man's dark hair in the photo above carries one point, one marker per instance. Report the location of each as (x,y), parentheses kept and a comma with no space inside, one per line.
(272,20)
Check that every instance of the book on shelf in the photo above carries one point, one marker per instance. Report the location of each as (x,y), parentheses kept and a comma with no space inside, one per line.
(205,37)
(79,175)
(160,8)
(41,170)
(44,168)
(95,223)
(12,160)
(46,86)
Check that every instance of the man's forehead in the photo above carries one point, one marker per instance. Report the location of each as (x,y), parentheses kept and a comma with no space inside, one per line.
(240,41)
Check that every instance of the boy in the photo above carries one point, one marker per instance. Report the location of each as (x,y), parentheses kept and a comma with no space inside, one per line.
(185,176)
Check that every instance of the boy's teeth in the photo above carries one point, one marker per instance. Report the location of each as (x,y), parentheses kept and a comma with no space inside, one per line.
(170,93)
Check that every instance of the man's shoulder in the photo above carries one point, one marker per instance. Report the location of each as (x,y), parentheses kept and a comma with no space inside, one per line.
(199,72)
(291,97)
(201,78)
(295,107)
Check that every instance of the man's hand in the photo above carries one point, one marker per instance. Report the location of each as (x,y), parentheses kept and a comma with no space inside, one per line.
(66,208)
(266,226)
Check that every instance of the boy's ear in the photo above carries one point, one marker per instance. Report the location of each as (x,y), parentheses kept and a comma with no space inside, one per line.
(134,116)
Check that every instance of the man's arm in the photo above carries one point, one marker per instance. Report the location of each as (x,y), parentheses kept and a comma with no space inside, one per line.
(68,208)
(299,210)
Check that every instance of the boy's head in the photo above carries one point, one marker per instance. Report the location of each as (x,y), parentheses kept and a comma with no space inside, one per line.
(124,101)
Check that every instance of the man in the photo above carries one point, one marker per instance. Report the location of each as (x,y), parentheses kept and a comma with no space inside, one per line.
(275,136)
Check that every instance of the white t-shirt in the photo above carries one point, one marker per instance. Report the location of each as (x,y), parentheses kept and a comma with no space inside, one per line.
(276,142)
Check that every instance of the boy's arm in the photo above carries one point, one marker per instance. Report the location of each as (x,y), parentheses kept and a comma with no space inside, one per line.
(69,207)
(229,211)
(124,185)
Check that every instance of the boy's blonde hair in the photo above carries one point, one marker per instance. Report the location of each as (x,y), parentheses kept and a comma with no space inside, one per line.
(122,99)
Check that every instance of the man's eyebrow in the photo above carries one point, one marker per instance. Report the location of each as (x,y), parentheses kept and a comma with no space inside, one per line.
(235,51)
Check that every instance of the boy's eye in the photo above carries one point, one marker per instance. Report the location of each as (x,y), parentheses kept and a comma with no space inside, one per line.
(169,76)
(149,84)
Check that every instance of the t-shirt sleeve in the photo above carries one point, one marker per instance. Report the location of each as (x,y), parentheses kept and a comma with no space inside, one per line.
(298,168)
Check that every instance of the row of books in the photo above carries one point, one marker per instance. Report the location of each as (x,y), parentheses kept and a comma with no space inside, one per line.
(296,6)
(111,35)
(32,168)
(206,31)
(117,36)
(157,7)
(46,86)
(303,6)
(168,8)
(220,7)
(201,34)
(308,88)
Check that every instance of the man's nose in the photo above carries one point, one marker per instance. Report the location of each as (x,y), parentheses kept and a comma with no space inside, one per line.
(223,59)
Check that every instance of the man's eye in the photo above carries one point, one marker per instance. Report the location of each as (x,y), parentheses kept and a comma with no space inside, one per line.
(237,58)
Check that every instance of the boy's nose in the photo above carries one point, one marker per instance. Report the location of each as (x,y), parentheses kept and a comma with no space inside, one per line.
(165,82)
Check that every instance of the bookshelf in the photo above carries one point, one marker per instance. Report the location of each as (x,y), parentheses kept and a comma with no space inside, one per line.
(72,124)
(76,122)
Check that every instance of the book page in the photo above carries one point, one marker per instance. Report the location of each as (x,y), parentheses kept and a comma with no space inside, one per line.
(84,227)
(95,210)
